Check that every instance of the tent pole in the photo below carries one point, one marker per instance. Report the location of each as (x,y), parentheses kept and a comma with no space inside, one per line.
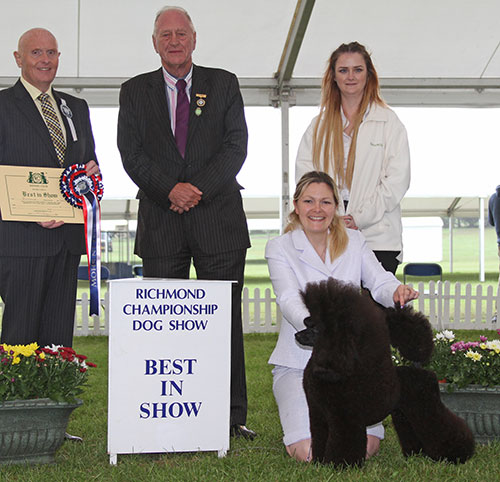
(285,160)
(450,235)
(481,240)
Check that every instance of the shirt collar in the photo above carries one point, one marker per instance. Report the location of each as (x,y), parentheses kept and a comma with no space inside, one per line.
(170,80)
(34,92)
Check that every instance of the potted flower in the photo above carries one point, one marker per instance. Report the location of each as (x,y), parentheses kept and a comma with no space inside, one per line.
(469,376)
(38,392)
(461,364)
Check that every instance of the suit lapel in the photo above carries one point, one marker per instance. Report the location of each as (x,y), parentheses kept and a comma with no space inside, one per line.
(70,143)
(159,103)
(28,108)
(200,85)
(308,254)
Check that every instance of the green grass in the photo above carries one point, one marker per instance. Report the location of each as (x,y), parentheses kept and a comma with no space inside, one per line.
(263,459)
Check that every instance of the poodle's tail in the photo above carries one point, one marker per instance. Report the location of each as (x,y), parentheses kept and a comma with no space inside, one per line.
(410,333)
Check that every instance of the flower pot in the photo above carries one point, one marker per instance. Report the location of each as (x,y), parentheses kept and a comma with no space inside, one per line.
(31,431)
(479,406)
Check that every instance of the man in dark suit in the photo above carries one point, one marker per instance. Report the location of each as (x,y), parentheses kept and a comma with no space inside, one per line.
(39,261)
(183,139)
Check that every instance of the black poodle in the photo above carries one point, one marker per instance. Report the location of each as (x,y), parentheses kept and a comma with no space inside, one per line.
(350,380)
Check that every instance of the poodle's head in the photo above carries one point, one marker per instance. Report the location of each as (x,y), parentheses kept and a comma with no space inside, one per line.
(337,328)
(308,335)
(331,305)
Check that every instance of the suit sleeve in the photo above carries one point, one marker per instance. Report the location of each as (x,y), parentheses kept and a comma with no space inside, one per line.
(228,160)
(148,174)
(286,285)
(90,154)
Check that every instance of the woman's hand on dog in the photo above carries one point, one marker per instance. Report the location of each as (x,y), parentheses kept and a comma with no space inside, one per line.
(403,294)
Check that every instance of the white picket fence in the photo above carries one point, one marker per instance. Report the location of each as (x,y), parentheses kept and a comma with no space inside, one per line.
(448,306)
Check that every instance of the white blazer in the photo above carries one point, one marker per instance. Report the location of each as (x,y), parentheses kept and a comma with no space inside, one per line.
(293,262)
(380,180)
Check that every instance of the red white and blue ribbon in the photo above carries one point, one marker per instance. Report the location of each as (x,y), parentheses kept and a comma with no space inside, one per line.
(85,192)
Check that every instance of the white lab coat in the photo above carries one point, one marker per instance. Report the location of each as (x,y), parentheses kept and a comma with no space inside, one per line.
(380,180)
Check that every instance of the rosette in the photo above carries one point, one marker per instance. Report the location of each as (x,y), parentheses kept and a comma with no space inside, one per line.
(85,192)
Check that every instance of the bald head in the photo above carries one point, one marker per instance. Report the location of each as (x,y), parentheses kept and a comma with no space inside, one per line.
(37,56)
(33,32)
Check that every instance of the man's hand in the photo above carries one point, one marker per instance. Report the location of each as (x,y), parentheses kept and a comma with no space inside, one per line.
(176,209)
(184,196)
(50,224)
(91,168)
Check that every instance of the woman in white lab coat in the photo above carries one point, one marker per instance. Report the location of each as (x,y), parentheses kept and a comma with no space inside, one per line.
(363,145)
(316,245)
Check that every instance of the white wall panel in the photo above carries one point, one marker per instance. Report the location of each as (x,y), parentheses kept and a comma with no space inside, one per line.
(58,16)
(245,37)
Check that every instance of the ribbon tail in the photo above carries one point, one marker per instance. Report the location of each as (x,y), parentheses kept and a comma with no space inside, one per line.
(92,219)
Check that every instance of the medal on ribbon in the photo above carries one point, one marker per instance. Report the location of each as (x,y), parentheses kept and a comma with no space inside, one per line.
(85,192)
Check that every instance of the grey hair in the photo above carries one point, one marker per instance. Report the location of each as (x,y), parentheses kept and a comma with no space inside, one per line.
(169,8)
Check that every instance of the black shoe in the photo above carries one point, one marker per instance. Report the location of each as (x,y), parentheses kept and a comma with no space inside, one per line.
(241,431)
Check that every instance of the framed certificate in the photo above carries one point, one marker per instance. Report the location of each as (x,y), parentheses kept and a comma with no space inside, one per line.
(33,194)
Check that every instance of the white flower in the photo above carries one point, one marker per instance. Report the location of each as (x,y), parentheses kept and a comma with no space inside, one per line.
(445,335)
(54,347)
(493,345)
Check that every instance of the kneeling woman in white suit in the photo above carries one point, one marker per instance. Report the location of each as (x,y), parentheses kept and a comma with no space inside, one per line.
(316,245)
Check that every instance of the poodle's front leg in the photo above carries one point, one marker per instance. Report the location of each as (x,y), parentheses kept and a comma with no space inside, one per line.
(319,431)
(346,443)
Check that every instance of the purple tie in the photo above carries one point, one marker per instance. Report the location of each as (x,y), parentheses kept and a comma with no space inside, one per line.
(181,116)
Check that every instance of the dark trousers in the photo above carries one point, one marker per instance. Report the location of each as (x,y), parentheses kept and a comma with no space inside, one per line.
(388,259)
(220,266)
(39,294)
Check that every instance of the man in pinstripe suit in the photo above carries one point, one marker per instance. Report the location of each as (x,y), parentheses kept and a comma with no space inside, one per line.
(190,206)
(39,261)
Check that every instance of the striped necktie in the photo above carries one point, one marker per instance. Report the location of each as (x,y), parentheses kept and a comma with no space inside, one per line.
(55,131)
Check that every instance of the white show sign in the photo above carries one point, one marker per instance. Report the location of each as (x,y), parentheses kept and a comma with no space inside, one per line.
(169,366)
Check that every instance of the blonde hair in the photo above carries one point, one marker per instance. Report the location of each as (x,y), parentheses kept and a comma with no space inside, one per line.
(337,236)
(328,131)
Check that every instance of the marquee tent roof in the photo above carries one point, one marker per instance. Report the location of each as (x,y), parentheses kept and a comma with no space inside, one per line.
(426,52)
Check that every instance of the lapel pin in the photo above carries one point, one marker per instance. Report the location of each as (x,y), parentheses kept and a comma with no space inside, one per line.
(197,111)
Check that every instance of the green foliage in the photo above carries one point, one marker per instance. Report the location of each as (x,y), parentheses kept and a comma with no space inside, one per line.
(27,372)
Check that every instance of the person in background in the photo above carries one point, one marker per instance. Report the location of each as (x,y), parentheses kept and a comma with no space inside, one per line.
(316,245)
(363,145)
(39,261)
(494,219)
(182,136)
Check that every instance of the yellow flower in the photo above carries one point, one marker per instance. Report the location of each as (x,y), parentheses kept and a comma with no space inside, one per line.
(16,360)
(473,355)
(42,356)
